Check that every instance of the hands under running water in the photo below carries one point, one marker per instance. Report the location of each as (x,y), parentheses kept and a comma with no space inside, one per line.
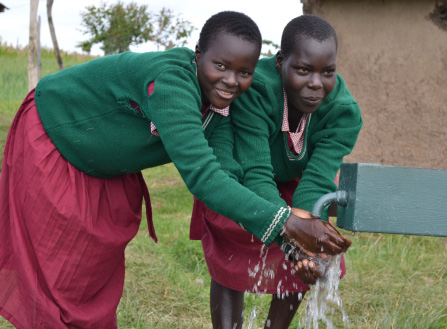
(313,236)
(306,269)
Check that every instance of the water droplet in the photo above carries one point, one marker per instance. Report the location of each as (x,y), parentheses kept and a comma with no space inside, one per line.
(278,289)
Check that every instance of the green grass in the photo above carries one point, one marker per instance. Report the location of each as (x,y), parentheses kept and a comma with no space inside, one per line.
(392,281)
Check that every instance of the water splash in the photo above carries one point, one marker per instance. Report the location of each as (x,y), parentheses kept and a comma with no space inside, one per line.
(324,298)
(252,318)
(264,274)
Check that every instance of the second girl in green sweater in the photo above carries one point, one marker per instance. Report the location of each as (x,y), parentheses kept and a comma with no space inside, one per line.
(295,123)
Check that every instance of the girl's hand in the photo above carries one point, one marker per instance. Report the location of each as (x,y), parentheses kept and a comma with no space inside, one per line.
(314,236)
(306,269)
(301,213)
(306,214)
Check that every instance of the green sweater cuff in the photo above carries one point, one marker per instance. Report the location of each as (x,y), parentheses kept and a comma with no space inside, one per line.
(273,231)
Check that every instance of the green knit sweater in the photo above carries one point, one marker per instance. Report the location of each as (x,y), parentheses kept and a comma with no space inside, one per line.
(262,148)
(86,111)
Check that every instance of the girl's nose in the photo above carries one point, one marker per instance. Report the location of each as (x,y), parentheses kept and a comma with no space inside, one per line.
(315,81)
(230,79)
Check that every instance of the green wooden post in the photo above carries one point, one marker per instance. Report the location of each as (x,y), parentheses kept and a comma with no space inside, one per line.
(388,199)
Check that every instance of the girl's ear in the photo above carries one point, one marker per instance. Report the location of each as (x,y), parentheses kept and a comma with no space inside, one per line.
(197,54)
(278,61)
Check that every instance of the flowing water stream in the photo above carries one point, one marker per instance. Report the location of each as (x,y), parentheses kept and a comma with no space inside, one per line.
(323,300)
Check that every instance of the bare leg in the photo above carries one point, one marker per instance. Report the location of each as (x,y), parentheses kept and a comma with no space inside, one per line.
(227,306)
(282,311)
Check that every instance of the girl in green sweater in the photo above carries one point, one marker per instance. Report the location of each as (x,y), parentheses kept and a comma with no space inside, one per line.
(71,190)
(295,123)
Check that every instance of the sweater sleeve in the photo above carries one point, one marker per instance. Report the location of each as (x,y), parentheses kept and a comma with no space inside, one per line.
(253,126)
(332,139)
(174,108)
(221,140)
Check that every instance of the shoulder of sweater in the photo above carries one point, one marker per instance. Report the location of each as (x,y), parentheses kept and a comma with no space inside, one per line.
(339,102)
(174,67)
(266,80)
(180,57)
(340,94)
(266,72)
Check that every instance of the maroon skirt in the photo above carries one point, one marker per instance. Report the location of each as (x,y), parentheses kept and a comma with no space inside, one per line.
(62,233)
(238,260)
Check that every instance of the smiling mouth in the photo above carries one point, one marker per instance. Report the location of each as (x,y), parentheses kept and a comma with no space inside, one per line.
(225,94)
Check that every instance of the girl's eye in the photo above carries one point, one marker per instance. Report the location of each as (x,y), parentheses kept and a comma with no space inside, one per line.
(245,74)
(329,73)
(302,70)
(220,66)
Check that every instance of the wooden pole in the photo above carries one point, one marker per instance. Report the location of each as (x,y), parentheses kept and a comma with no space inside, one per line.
(32,45)
(53,34)
(38,49)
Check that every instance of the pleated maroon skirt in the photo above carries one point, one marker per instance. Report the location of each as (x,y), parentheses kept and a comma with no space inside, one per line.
(62,233)
(238,260)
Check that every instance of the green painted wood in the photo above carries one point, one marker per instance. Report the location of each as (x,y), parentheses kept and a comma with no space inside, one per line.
(389,199)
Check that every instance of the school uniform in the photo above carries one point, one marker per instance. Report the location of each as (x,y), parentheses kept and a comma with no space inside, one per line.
(273,160)
(71,189)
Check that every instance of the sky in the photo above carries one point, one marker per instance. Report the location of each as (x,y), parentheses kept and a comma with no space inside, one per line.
(14,22)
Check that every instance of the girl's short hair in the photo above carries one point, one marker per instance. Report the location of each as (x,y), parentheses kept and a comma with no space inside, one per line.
(231,22)
(311,26)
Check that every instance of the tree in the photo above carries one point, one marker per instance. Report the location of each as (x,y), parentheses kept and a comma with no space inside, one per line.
(166,28)
(53,34)
(117,27)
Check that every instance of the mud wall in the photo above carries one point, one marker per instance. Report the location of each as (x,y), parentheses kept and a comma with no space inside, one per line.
(393,56)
